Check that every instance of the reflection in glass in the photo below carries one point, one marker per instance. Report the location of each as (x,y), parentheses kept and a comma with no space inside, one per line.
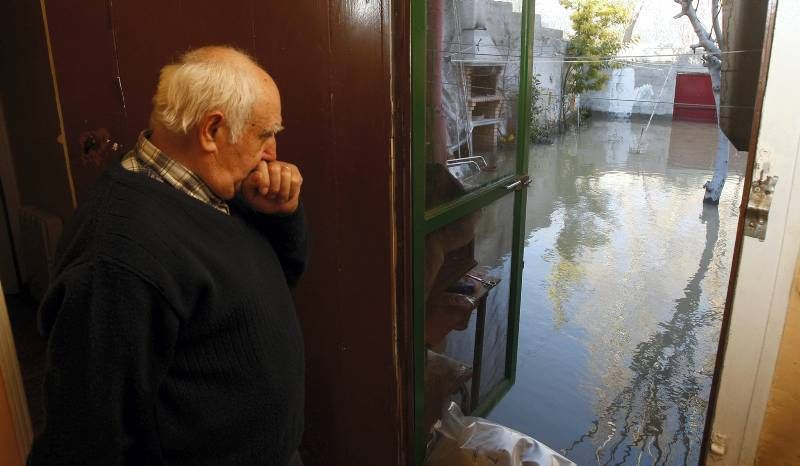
(473,86)
(467,290)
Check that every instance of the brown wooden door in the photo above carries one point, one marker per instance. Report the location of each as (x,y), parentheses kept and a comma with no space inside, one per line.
(332,63)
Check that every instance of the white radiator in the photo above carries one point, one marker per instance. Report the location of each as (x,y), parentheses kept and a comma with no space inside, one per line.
(39,233)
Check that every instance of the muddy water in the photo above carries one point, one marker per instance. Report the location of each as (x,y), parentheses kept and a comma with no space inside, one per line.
(626,272)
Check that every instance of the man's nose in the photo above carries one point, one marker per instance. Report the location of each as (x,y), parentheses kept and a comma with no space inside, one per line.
(270,152)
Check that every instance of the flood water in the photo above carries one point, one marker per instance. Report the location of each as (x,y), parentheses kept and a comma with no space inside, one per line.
(625,279)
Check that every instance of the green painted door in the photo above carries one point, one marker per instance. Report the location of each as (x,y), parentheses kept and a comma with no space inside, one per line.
(470,67)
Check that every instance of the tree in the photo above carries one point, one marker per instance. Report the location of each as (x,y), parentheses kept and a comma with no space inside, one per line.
(712,57)
(599,27)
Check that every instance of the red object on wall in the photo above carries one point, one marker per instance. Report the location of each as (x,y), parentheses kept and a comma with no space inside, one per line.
(694,98)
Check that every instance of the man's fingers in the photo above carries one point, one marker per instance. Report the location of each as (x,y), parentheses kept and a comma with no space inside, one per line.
(263,182)
(274,180)
(297,181)
(286,183)
(274,187)
(258,180)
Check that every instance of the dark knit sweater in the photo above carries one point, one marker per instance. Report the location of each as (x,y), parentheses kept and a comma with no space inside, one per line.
(173,337)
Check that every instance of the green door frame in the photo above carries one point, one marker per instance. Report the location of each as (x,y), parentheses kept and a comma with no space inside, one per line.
(424,222)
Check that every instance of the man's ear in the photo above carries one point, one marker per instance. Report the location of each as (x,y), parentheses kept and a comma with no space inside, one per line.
(210,130)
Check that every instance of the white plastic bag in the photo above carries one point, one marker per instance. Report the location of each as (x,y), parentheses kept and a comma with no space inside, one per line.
(474,441)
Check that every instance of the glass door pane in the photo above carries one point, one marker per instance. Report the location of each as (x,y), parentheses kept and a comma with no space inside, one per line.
(468,276)
(469,138)
(473,70)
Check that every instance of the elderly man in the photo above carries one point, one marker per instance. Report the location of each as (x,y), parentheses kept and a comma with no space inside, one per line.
(173,337)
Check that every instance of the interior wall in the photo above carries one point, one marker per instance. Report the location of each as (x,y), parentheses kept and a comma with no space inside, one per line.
(778,442)
(26,89)
(9,451)
(9,205)
(331,60)
(15,427)
(8,269)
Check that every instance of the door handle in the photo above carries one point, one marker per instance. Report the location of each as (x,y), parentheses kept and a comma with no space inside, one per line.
(96,146)
(521,182)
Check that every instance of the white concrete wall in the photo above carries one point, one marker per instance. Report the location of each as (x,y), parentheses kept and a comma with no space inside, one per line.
(549,47)
(632,89)
(503,24)
(639,89)
(505,27)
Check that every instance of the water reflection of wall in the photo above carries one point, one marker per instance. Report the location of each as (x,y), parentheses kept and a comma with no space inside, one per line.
(542,194)
(694,145)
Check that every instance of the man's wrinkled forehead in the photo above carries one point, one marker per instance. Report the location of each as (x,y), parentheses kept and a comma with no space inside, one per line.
(268,108)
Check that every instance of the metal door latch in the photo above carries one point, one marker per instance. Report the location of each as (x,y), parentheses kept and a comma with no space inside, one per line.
(488,283)
(521,182)
(757,212)
(719,444)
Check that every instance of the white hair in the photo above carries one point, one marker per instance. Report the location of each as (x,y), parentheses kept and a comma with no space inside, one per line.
(206,80)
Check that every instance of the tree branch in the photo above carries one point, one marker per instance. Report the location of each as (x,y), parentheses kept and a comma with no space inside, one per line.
(715,12)
(629,30)
(679,2)
(704,39)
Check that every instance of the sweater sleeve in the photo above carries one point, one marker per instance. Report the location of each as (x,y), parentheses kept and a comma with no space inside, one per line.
(288,235)
(111,338)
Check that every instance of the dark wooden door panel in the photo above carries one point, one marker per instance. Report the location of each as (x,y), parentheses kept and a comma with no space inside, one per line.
(29,106)
(83,53)
(151,33)
(362,117)
(331,62)
(292,43)
(148,35)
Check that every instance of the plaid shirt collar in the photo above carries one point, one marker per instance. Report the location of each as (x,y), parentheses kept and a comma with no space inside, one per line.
(148,160)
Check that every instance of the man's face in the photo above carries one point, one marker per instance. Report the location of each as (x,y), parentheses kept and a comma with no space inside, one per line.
(256,143)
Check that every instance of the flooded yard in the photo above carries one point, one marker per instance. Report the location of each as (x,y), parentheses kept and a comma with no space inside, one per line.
(625,279)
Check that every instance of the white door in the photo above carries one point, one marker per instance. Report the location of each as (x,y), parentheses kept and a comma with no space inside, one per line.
(766,267)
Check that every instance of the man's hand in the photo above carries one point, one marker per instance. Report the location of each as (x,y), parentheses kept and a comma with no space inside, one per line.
(273,188)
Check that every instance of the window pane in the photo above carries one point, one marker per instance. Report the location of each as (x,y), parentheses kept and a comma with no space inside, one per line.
(467,289)
(473,86)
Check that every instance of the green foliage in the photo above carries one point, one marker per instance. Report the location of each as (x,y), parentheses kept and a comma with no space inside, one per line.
(599,30)
(541,131)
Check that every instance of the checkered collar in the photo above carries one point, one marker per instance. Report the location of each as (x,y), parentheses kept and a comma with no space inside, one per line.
(147,159)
